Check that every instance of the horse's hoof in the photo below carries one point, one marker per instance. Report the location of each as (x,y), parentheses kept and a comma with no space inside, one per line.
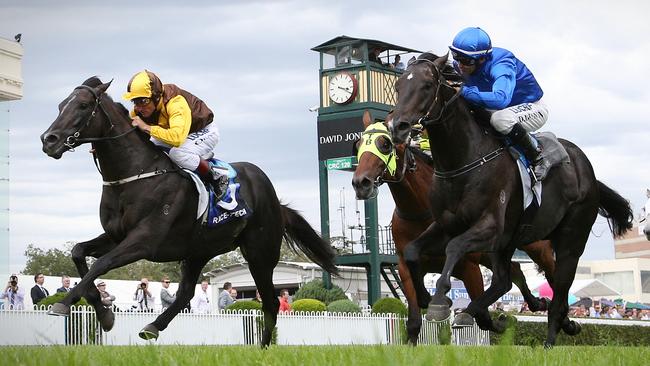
(59,309)
(500,324)
(107,320)
(572,328)
(437,312)
(149,332)
(462,320)
(548,345)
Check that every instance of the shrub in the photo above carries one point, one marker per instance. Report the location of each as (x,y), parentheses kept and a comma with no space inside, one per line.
(244,305)
(316,290)
(389,305)
(343,306)
(534,334)
(308,305)
(57,297)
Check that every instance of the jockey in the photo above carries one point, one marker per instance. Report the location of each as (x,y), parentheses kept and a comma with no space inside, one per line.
(496,80)
(177,121)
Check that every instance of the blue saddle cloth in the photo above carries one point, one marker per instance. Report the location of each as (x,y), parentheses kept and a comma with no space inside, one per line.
(232,205)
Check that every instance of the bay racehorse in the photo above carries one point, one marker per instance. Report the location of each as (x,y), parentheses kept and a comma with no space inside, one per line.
(152,215)
(477,199)
(408,172)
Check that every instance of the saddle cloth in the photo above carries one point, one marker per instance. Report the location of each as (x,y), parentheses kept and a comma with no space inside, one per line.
(216,212)
(552,150)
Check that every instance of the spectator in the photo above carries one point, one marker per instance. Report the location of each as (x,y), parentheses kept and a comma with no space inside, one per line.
(285,307)
(233,294)
(524,308)
(143,297)
(614,313)
(106,298)
(200,303)
(592,312)
(166,298)
(397,64)
(15,295)
(65,281)
(224,297)
(645,315)
(604,312)
(39,292)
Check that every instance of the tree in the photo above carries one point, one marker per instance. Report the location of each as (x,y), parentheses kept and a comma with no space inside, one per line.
(52,262)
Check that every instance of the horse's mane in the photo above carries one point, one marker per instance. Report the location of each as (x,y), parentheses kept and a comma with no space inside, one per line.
(448,71)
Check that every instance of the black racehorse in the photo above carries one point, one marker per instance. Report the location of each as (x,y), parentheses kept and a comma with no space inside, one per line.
(151,213)
(477,200)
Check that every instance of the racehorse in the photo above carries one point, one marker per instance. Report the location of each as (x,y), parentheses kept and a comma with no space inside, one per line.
(477,199)
(148,211)
(409,184)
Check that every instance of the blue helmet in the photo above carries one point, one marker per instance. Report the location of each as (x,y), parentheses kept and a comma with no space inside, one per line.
(472,42)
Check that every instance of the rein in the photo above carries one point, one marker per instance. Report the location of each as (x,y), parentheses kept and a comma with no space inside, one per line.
(73,139)
(428,120)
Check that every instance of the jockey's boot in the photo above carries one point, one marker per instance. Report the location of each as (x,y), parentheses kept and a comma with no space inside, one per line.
(532,150)
(214,176)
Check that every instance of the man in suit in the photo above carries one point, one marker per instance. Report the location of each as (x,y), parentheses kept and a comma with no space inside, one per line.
(38,291)
(224,297)
(65,281)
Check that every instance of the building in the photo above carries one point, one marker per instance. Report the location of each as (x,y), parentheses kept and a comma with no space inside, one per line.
(291,275)
(11,88)
(633,244)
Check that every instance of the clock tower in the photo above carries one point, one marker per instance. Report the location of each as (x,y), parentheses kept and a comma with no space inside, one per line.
(355,75)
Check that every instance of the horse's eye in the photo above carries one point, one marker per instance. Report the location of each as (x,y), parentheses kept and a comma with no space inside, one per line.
(384,145)
(83,105)
(428,84)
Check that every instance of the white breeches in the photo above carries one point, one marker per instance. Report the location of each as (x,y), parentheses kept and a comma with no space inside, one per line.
(197,144)
(531,116)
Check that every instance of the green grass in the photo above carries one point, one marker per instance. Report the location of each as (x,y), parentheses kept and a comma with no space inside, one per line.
(323,355)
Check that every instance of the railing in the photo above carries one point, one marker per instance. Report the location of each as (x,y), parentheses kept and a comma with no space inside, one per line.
(35,327)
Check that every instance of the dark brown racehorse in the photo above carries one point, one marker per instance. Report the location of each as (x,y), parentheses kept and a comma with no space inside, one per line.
(152,213)
(409,185)
(476,199)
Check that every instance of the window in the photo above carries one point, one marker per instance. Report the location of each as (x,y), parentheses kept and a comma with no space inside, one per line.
(622,282)
(645,282)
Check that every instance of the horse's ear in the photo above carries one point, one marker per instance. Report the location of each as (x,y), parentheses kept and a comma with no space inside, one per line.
(103,87)
(441,61)
(367,119)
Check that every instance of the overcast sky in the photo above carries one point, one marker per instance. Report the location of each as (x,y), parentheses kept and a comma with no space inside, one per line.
(251,62)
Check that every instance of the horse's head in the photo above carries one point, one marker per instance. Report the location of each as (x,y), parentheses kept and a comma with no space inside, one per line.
(376,156)
(80,116)
(418,94)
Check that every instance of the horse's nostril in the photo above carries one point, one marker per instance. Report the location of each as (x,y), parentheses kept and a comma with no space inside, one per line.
(51,138)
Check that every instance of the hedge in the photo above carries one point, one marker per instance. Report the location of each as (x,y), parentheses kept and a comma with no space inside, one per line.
(343,306)
(534,334)
(389,305)
(244,305)
(311,305)
(316,290)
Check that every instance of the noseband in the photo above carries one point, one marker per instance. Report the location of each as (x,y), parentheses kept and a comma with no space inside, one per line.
(427,119)
(74,139)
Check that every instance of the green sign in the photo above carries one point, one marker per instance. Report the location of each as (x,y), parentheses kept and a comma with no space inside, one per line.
(341,163)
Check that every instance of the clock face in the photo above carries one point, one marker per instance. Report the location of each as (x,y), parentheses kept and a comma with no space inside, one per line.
(342,88)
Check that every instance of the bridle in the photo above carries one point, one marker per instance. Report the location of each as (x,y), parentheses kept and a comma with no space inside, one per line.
(428,120)
(74,139)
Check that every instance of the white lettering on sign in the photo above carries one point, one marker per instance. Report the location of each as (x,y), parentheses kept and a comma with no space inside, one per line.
(330,139)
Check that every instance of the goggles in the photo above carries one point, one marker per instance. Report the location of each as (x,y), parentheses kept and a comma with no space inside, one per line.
(141,102)
(381,148)
(463,59)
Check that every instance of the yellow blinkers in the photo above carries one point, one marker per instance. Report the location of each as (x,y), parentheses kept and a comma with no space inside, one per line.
(369,144)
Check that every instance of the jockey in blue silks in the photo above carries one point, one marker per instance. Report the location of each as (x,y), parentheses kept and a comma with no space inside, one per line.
(496,80)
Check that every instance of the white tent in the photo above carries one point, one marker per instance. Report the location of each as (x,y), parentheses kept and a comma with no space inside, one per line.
(592,288)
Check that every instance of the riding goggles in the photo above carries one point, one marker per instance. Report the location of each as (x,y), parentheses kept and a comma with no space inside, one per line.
(463,59)
(141,102)
(370,143)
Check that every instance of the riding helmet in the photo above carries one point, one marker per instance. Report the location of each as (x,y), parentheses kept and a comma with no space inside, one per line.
(144,84)
(472,42)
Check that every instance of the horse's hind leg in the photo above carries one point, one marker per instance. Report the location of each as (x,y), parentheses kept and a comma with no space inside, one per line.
(433,235)
(569,240)
(534,303)
(190,271)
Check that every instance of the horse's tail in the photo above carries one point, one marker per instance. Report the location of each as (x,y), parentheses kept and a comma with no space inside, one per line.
(615,209)
(300,234)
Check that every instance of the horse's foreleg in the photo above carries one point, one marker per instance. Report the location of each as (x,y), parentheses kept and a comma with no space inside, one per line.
(433,235)
(94,248)
(518,278)
(414,321)
(477,239)
(190,271)
(117,257)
